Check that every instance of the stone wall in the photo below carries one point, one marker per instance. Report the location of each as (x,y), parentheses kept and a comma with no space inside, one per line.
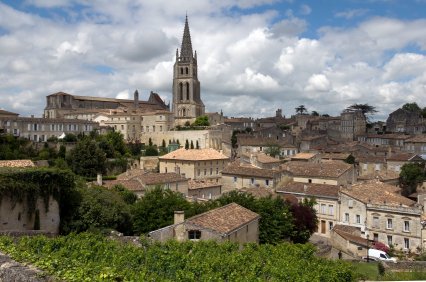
(10,270)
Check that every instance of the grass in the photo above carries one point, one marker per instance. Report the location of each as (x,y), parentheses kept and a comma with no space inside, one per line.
(369,271)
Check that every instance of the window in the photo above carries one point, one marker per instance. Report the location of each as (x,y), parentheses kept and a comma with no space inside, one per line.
(358,219)
(198,172)
(252,180)
(194,234)
(375,237)
(205,171)
(376,222)
(217,170)
(309,180)
(346,217)
(235,179)
(331,210)
(267,182)
(323,208)
(389,223)
(330,225)
(406,243)
(389,240)
(211,171)
(406,226)
(350,203)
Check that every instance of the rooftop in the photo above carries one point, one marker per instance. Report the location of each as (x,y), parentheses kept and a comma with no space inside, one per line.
(321,190)
(17,163)
(224,219)
(194,155)
(248,170)
(326,168)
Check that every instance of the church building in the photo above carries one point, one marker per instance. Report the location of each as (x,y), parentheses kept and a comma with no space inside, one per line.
(187,104)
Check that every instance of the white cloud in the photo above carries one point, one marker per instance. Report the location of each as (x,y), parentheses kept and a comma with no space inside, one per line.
(305,9)
(256,57)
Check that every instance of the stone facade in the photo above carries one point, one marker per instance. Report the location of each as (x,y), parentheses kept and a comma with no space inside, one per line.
(405,121)
(187,103)
(40,129)
(353,123)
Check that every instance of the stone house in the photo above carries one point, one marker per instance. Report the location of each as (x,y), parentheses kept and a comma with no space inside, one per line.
(353,123)
(348,239)
(194,163)
(396,161)
(416,145)
(378,210)
(239,123)
(261,160)
(310,142)
(370,165)
(138,181)
(405,121)
(395,140)
(326,172)
(231,222)
(237,176)
(327,202)
(252,144)
(204,189)
(306,157)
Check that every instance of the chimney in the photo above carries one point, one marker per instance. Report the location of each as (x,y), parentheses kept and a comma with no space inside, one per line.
(179,217)
(99,179)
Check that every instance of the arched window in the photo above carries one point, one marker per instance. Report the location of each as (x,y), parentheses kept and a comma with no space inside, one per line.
(180,91)
(186,70)
(181,70)
(187,91)
(183,112)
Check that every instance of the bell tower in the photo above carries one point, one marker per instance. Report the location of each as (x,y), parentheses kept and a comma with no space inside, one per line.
(187,104)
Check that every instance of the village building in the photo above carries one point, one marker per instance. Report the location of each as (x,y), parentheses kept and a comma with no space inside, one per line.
(416,144)
(204,189)
(230,223)
(380,212)
(326,202)
(405,121)
(194,163)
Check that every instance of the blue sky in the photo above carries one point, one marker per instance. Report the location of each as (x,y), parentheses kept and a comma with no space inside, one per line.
(270,54)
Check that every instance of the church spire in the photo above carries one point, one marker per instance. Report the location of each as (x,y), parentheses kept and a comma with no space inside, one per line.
(186,47)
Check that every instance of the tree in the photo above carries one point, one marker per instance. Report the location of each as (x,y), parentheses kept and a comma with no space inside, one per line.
(151,151)
(364,108)
(201,121)
(69,137)
(156,209)
(87,159)
(273,150)
(315,114)
(411,107)
(192,145)
(424,112)
(186,144)
(350,159)
(305,221)
(410,176)
(301,110)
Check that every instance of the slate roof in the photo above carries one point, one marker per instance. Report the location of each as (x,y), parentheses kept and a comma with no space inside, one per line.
(330,169)
(225,219)
(378,193)
(17,163)
(194,155)
(310,189)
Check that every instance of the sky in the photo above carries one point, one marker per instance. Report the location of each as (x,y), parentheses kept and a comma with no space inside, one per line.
(254,56)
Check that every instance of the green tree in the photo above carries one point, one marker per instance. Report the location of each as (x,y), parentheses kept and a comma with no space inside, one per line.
(424,112)
(315,114)
(150,142)
(87,159)
(99,208)
(201,121)
(411,107)
(350,159)
(116,139)
(410,176)
(69,137)
(156,209)
(151,151)
(365,109)
(301,110)
(273,150)
(192,145)
(186,144)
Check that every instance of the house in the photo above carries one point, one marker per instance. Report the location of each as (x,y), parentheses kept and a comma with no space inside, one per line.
(405,121)
(231,222)
(396,161)
(379,211)
(306,157)
(396,140)
(194,163)
(326,198)
(309,142)
(348,239)
(416,144)
(370,165)
(237,176)
(325,172)
(204,189)
(138,181)
(248,144)
(261,160)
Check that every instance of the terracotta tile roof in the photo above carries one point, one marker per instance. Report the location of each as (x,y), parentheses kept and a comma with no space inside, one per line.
(352,238)
(381,175)
(132,185)
(266,159)
(335,156)
(377,193)
(17,163)
(259,192)
(417,139)
(311,138)
(262,141)
(389,136)
(202,183)
(194,155)
(332,169)
(304,156)
(401,157)
(225,219)
(248,170)
(371,159)
(151,178)
(321,190)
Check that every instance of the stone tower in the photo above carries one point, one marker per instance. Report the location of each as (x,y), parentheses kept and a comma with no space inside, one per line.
(187,104)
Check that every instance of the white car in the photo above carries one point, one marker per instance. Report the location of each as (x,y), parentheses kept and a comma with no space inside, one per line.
(378,255)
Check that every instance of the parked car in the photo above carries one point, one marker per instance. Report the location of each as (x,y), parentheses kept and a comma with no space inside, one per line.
(377,255)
